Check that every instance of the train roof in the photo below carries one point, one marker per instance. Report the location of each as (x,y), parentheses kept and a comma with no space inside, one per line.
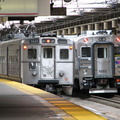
(19,37)
(96,32)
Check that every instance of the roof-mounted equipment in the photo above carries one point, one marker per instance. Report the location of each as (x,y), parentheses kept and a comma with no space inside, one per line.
(48,35)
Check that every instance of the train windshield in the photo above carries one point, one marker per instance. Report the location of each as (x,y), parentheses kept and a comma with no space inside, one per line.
(86,52)
(32,53)
(47,52)
(117,51)
(64,54)
(102,52)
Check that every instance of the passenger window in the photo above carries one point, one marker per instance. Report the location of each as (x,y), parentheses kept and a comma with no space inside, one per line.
(76,53)
(47,52)
(64,53)
(117,51)
(32,53)
(102,52)
(86,52)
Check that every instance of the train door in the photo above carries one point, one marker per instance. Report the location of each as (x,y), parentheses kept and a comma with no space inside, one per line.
(103,61)
(47,63)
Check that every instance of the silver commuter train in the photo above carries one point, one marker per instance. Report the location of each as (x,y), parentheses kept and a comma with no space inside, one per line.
(46,61)
(97,62)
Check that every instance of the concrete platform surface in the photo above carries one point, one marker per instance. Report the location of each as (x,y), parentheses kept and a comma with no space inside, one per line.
(22,102)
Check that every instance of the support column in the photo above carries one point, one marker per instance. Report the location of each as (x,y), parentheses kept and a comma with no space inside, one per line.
(119,28)
(69,31)
(0,19)
(75,30)
(82,29)
(96,26)
(89,27)
(3,19)
(43,7)
(105,25)
(113,24)
(58,32)
(63,32)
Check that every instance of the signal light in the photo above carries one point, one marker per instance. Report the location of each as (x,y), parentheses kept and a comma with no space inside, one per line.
(71,47)
(48,41)
(118,39)
(85,40)
(25,47)
(117,80)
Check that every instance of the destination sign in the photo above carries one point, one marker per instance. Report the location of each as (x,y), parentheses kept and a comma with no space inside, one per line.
(24,8)
(34,41)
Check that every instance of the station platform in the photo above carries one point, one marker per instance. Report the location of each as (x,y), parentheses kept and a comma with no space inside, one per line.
(22,102)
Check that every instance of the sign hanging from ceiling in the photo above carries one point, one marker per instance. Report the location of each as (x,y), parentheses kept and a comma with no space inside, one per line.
(67,0)
(22,7)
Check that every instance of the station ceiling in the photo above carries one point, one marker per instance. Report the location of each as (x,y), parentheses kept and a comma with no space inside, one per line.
(92,13)
(78,12)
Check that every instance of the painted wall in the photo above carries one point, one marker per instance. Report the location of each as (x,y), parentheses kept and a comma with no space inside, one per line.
(24,7)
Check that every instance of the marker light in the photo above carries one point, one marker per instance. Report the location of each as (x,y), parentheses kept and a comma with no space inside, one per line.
(85,40)
(25,47)
(71,47)
(118,39)
(48,41)
(117,80)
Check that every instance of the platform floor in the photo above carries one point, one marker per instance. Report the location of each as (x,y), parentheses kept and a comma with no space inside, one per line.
(22,102)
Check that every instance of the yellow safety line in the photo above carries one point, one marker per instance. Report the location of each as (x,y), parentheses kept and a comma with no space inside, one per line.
(73,111)
(31,90)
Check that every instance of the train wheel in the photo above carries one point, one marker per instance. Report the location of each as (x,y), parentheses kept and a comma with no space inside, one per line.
(85,91)
(118,91)
(75,92)
(76,88)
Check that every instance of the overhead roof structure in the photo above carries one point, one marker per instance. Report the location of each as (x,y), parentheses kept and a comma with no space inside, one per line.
(93,10)
(79,8)
(76,10)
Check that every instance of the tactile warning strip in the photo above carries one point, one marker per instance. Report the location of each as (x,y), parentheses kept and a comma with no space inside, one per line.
(68,110)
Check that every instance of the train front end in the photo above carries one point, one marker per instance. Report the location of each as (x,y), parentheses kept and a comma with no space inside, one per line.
(49,63)
(97,63)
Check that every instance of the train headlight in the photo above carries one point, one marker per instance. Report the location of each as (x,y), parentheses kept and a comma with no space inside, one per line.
(61,74)
(34,73)
(84,71)
(118,39)
(32,65)
(48,41)
(71,47)
(117,80)
(25,47)
(85,40)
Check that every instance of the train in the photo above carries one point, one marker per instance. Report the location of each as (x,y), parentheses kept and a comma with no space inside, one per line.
(97,62)
(45,60)
(88,63)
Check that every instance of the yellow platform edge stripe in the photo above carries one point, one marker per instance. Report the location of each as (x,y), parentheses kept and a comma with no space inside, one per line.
(75,112)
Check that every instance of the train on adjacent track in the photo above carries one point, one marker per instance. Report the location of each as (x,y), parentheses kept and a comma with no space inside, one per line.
(44,60)
(97,62)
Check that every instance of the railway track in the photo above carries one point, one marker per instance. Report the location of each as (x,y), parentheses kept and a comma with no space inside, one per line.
(113,101)
(108,107)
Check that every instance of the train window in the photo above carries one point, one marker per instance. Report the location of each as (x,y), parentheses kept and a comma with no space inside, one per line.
(86,52)
(117,51)
(102,52)
(64,53)
(62,41)
(32,53)
(76,53)
(47,52)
